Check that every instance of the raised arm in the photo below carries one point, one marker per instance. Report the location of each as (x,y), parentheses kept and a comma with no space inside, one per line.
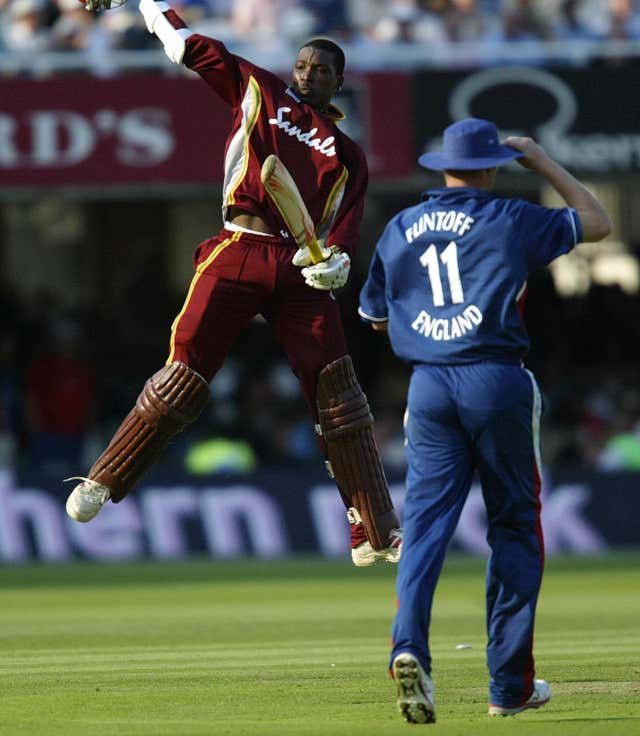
(596,223)
(224,72)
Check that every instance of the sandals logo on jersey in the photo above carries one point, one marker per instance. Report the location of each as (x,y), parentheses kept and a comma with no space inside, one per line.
(323,146)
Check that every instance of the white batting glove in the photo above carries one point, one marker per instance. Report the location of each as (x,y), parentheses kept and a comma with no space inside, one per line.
(173,39)
(330,274)
(302,257)
(150,12)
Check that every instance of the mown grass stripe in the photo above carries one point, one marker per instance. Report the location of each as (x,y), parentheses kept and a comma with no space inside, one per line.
(296,649)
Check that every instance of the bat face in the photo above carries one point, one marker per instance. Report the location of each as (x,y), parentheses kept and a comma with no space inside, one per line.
(292,211)
(285,195)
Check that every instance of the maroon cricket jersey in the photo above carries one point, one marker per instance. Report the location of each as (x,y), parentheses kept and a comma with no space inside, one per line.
(329,169)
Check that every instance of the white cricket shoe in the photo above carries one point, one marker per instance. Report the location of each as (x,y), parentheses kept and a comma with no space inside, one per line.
(86,499)
(416,692)
(540,696)
(363,555)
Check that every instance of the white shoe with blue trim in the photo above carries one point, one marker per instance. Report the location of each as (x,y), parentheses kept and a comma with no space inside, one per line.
(540,696)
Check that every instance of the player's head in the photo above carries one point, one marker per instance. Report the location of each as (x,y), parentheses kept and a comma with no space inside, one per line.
(318,71)
(471,151)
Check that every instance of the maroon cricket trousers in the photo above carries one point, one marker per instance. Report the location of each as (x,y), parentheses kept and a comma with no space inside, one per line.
(239,275)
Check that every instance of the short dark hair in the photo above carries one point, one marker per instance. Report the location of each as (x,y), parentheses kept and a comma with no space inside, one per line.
(461,173)
(324,44)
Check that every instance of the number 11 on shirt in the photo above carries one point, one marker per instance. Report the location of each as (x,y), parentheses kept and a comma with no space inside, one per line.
(449,256)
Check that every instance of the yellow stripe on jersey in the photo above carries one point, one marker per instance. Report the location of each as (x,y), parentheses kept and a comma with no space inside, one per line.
(199,271)
(329,209)
(251,105)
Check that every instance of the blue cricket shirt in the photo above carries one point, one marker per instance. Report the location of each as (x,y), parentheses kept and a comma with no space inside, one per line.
(450,274)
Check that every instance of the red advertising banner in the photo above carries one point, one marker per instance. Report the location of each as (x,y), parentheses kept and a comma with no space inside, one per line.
(140,129)
(386,114)
(135,129)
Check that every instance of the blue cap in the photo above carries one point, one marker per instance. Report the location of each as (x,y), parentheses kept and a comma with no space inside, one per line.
(469,144)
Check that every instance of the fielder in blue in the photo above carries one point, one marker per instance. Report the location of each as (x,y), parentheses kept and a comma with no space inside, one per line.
(448,278)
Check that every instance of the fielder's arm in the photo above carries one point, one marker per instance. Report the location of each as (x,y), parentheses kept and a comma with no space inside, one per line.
(596,223)
(373,308)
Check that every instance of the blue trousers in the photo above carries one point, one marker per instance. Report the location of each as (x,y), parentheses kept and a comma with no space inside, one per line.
(484,418)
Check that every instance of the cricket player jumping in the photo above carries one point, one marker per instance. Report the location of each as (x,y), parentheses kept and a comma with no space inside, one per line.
(449,278)
(254,267)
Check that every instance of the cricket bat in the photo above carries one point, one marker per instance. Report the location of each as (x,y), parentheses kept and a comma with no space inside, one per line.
(285,195)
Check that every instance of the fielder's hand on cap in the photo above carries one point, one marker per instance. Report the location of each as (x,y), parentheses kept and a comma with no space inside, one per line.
(330,274)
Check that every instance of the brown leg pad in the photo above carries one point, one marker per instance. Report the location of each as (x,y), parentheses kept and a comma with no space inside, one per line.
(347,427)
(171,399)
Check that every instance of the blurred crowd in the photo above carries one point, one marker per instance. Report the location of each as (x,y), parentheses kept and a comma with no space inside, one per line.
(68,379)
(35,26)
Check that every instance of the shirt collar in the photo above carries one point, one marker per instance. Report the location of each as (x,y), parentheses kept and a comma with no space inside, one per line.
(454,193)
(335,113)
(332,111)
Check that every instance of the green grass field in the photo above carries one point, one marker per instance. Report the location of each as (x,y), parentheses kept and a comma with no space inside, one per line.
(297,647)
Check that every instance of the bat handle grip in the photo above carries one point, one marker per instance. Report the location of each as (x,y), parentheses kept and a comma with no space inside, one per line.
(318,254)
